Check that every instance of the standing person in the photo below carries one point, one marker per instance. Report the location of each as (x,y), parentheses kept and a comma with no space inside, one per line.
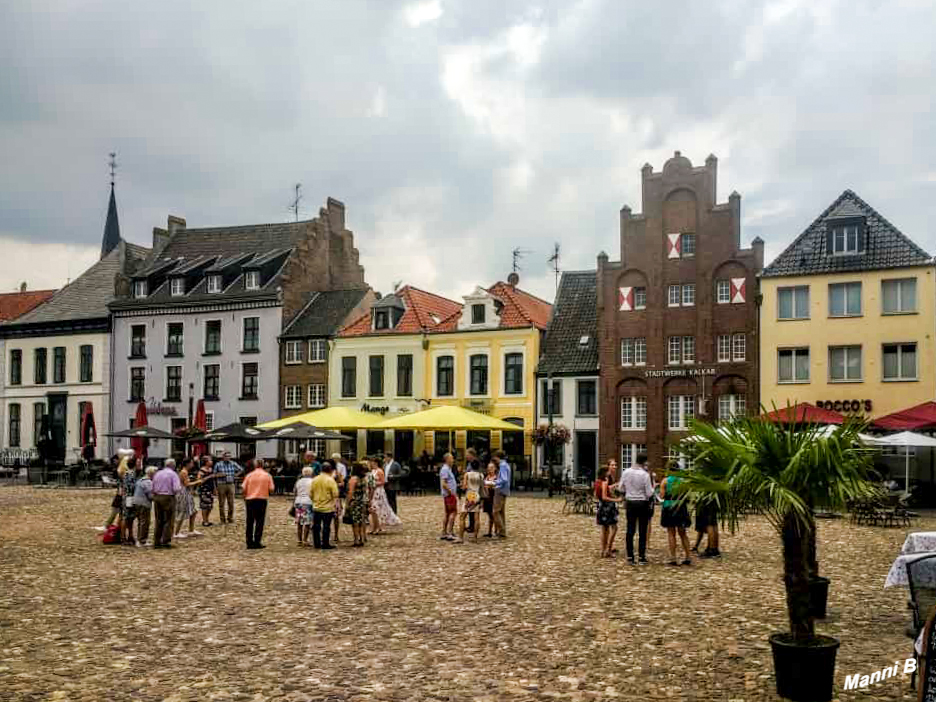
(501,493)
(166,486)
(324,492)
(308,461)
(143,502)
(448,486)
(675,515)
(356,507)
(341,477)
(393,473)
(257,488)
(129,513)
(206,490)
(607,517)
(638,491)
(487,505)
(706,524)
(472,463)
(227,471)
(471,505)
(117,503)
(302,504)
(185,500)
(652,502)
(381,513)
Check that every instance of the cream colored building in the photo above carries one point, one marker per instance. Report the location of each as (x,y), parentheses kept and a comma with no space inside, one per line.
(848,316)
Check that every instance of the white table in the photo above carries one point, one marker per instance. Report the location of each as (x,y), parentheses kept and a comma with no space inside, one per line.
(920,542)
(897,576)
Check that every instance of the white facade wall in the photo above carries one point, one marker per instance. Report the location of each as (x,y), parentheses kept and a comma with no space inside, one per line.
(569,416)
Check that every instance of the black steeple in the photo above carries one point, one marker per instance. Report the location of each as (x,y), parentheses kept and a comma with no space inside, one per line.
(111,226)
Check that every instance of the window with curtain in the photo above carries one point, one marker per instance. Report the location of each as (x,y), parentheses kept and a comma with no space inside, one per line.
(479,374)
(513,374)
(405,375)
(86,363)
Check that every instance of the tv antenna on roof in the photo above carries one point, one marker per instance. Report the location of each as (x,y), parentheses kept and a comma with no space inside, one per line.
(294,205)
(554,260)
(517,254)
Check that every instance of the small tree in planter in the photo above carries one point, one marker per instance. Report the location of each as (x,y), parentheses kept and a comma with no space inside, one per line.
(783,471)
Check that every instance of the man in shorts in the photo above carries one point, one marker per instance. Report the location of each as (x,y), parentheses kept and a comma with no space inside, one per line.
(449,487)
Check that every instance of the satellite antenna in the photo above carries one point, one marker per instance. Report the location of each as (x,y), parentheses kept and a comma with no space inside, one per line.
(294,205)
(554,260)
(517,254)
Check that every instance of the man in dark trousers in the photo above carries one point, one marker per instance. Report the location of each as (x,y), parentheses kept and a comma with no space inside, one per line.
(166,485)
(257,488)
(393,472)
(638,491)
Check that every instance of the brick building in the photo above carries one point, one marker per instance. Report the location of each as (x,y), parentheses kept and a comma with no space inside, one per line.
(677,315)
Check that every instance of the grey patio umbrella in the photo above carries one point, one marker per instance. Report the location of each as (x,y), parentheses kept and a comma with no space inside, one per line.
(142,433)
(235,433)
(301,431)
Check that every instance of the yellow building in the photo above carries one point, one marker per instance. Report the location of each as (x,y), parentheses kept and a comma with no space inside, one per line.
(847,316)
(484,358)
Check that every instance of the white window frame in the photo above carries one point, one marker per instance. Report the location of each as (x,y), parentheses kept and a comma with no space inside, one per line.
(181,382)
(674,297)
(166,337)
(240,390)
(640,292)
(901,378)
(735,404)
(220,350)
(177,287)
(434,371)
(293,353)
(688,350)
(684,406)
(739,347)
(318,343)
(847,231)
(130,370)
(292,397)
(796,351)
(845,288)
(243,334)
(140,289)
(687,251)
(130,341)
(723,291)
(723,348)
(793,290)
(635,410)
(900,294)
(204,368)
(629,453)
(215,284)
(252,280)
(503,371)
(847,350)
(688,295)
(674,351)
(312,403)
(209,420)
(469,352)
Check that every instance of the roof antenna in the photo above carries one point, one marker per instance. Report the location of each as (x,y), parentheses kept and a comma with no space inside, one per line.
(554,260)
(517,254)
(294,205)
(113,165)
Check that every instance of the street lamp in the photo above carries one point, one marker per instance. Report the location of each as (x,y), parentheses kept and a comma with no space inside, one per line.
(548,443)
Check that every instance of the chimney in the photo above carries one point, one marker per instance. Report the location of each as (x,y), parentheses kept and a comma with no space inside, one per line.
(336,212)
(758,246)
(23,287)
(176,224)
(513,279)
(160,238)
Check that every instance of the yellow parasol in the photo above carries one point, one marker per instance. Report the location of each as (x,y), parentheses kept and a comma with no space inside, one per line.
(329,418)
(447,418)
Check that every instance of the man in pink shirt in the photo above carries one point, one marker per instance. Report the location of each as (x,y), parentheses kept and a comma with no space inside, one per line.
(166,485)
(257,488)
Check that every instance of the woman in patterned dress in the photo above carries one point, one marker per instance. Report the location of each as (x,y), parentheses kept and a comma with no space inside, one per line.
(185,501)
(302,504)
(206,490)
(357,502)
(129,511)
(472,483)
(607,508)
(381,513)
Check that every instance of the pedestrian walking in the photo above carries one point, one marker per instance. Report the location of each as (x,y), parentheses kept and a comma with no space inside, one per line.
(341,477)
(302,506)
(501,493)
(206,490)
(449,487)
(257,488)
(487,501)
(607,517)
(674,515)
(472,463)
(324,492)
(227,471)
(185,500)
(166,486)
(356,509)
(129,513)
(638,491)
(381,513)
(143,504)
(471,504)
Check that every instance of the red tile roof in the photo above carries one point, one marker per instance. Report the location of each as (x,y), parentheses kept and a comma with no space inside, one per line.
(424,312)
(521,309)
(13,305)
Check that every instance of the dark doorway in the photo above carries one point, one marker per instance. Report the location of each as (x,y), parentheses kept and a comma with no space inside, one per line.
(58,425)
(375,442)
(480,441)
(586,455)
(402,445)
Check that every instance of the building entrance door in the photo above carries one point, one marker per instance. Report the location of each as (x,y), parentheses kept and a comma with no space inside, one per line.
(58,425)
(403,445)
(586,455)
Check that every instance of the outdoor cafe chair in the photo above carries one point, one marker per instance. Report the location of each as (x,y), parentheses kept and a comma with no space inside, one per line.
(922,594)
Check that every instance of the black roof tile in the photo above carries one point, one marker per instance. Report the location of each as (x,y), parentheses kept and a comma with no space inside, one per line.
(574,317)
(324,314)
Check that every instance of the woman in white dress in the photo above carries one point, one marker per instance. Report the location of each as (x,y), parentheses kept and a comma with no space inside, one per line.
(472,483)
(381,513)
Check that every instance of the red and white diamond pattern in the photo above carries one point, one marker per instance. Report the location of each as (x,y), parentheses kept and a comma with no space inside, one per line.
(626,299)
(738,291)
(673,245)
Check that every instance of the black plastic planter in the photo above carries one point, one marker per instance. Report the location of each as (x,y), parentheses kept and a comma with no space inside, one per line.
(805,671)
(818,596)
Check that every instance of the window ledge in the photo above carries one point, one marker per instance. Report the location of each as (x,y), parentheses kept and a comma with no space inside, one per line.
(246,398)
(211,398)
(292,363)
(136,358)
(313,362)
(848,381)
(174,355)
(793,382)
(845,316)
(898,314)
(250,350)
(900,380)
(793,319)
(172,399)
(211,353)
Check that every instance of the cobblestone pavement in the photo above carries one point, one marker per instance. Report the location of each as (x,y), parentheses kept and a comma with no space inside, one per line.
(538,616)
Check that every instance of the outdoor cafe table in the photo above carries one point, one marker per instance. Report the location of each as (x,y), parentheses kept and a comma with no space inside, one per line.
(919,542)
(897,576)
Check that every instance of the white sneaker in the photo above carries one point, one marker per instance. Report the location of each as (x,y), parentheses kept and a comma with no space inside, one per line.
(179,536)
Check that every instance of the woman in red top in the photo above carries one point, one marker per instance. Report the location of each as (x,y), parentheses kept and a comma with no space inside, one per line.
(607,508)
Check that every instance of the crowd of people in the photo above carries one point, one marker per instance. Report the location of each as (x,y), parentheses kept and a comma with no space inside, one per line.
(638,490)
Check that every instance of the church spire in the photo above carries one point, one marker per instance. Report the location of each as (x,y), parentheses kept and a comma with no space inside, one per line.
(111,226)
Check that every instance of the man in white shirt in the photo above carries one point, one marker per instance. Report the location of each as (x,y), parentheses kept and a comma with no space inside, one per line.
(638,491)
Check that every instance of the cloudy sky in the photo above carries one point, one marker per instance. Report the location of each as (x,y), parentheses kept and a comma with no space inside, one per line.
(453,130)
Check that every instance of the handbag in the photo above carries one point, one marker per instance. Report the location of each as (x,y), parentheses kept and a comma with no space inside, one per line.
(117,502)
(292,511)
(346,519)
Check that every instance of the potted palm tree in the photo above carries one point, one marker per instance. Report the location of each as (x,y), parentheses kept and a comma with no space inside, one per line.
(783,472)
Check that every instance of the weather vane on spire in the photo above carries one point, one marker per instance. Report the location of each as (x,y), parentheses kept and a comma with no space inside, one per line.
(113,166)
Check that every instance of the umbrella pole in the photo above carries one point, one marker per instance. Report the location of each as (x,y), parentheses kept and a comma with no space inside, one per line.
(906,471)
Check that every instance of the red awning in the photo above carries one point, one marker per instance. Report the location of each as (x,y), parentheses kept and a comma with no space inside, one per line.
(912,418)
(805,413)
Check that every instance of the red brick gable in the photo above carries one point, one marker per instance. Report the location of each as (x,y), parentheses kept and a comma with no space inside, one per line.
(13,305)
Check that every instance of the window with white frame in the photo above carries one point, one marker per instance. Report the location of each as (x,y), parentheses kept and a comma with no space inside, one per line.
(675,295)
(252,280)
(898,296)
(845,299)
(139,288)
(293,397)
(738,347)
(293,352)
(684,461)
(209,421)
(687,245)
(793,302)
(681,410)
(723,292)
(629,453)
(844,364)
(900,361)
(723,348)
(640,298)
(633,413)
(688,349)
(675,350)
(634,352)
(317,396)
(793,365)
(318,350)
(688,294)
(177,287)
(846,239)
(731,406)
(214,283)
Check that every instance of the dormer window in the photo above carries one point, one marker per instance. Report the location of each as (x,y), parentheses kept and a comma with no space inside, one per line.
(252,280)
(845,239)
(381,319)
(477,313)
(214,283)
(139,289)
(177,287)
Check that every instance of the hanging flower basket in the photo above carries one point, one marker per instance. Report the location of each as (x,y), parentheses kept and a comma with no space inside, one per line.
(555,434)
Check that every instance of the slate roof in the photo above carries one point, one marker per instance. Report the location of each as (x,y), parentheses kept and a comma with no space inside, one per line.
(574,315)
(885,245)
(87,296)
(323,315)
(425,311)
(13,305)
